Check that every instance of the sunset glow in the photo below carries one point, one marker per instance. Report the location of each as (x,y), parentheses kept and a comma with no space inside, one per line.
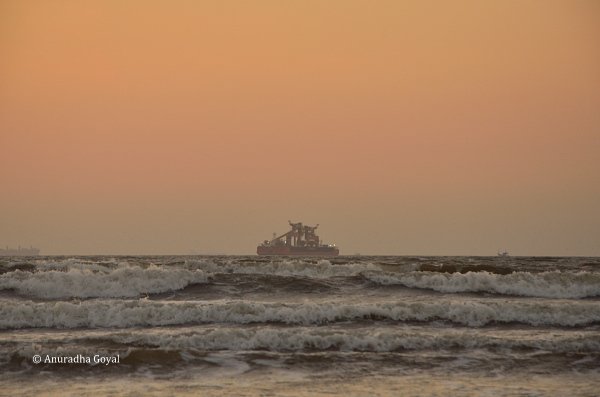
(132,127)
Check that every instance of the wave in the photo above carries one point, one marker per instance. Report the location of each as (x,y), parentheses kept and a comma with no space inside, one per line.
(306,339)
(124,281)
(104,265)
(144,312)
(80,278)
(465,267)
(553,284)
(367,340)
(296,268)
(544,285)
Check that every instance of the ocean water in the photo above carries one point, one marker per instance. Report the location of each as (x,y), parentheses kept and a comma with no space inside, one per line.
(248,325)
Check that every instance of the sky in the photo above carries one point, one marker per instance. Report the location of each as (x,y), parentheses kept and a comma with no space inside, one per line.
(401,127)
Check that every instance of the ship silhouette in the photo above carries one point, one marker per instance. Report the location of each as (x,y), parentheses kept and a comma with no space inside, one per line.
(300,241)
(19,251)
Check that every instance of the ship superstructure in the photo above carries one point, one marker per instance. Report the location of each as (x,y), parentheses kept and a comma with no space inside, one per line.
(300,241)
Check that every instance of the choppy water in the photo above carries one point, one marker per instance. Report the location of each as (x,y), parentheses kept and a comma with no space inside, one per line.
(430,326)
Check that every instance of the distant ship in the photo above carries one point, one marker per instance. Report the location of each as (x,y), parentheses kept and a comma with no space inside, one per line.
(19,251)
(503,253)
(300,241)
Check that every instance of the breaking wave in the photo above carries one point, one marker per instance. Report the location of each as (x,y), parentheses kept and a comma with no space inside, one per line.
(296,268)
(299,339)
(311,338)
(553,284)
(143,312)
(101,282)
(80,278)
(544,285)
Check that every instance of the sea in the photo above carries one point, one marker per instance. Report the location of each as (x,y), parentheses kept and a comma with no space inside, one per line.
(279,326)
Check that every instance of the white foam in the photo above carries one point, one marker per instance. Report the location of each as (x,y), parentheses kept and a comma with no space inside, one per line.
(298,268)
(124,281)
(554,284)
(85,278)
(545,285)
(142,312)
(78,263)
(361,339)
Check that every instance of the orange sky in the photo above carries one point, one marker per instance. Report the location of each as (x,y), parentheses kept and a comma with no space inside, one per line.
(421,127)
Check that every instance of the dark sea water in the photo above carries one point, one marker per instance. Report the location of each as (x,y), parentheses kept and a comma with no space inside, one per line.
(248,325)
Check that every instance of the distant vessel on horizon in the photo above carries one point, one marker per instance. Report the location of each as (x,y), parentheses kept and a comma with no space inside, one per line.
(503,253)
(300,241)
(19,251)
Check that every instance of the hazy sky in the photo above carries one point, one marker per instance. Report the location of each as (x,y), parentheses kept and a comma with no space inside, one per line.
(401,127)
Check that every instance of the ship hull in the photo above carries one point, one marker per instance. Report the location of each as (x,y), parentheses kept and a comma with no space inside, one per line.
(20,252)
(297,251)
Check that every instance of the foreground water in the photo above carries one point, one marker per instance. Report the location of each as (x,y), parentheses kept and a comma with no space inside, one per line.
(422,326)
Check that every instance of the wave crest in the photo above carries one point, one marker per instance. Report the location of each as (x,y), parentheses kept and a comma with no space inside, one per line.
(297,268)
(124,314)
(543,285)
(387,340)
(124,281)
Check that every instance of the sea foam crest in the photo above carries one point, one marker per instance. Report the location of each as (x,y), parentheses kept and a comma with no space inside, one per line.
(544,285)
(142,312)
(78,263)
(299,268)
(124,281)
(326,338)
